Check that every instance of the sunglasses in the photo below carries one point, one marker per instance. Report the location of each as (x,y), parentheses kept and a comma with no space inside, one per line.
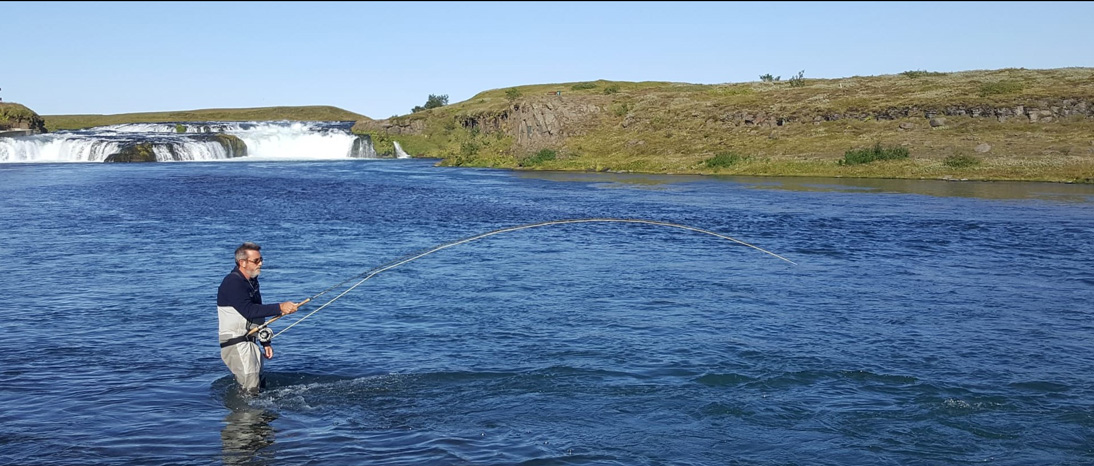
(254,261)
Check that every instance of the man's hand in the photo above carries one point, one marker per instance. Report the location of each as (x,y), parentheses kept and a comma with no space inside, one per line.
(288,307)
(267,350)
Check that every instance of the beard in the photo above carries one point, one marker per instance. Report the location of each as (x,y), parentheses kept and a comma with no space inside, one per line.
(256,272)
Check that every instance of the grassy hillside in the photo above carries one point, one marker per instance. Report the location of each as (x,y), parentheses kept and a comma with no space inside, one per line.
(13,111)
(804,126)
(309,113)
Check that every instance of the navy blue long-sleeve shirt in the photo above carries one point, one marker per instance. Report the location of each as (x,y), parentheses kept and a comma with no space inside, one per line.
(245,296)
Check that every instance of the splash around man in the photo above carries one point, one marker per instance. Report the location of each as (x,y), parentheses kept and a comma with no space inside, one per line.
(239,309)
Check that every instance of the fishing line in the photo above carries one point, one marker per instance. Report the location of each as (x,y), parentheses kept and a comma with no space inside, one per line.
(266,335)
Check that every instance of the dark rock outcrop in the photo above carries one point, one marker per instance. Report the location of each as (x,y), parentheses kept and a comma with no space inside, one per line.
(233,145)
(533,123)
(141,152)
(548,122)
(537,123)
(145,152)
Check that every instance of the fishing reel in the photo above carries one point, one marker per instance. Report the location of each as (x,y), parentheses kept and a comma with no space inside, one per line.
(264,335)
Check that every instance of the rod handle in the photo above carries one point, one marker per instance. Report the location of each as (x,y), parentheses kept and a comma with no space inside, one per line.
(268,322)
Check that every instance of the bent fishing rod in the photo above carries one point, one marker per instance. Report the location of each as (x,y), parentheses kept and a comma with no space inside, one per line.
(265,334)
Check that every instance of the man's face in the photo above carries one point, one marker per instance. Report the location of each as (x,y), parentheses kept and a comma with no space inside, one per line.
(252,265)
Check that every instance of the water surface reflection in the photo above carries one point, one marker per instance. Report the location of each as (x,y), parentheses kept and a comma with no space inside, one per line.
(1061,192)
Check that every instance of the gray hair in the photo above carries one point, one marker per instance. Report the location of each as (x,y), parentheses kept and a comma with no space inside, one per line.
(241,251)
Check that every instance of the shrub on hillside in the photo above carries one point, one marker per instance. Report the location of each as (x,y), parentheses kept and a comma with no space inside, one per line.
(860,156)
(544,155)
(797,81)
(724,159)
(433,101)
(469,148)
(961,161)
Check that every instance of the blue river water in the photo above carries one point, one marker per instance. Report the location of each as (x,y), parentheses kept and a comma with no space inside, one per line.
(922,322)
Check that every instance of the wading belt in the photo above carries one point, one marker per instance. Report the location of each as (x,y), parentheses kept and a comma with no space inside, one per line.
(235,341)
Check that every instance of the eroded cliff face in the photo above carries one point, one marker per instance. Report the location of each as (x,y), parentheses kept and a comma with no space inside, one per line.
(540,123)
(532,123)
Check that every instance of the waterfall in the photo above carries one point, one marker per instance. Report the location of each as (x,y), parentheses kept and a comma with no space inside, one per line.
(192,141)
(399,152)
(363,148)
(56,148)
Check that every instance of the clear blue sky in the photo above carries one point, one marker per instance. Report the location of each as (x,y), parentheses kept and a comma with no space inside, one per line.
(382,59)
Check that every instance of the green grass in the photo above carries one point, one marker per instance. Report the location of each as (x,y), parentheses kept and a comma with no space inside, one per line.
(1000,87)
(10,112)
(724,159)
(539,158)
(873,154)
(961,161)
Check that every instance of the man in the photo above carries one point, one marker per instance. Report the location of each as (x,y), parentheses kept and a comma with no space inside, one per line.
(239,309)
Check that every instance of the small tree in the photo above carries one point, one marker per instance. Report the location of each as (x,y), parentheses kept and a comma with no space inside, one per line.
(797,81)
(767,78)
(433,101)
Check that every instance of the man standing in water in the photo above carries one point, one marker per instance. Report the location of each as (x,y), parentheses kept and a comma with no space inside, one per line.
(239,309)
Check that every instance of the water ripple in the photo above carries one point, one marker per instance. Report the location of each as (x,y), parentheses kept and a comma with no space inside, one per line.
(915,329)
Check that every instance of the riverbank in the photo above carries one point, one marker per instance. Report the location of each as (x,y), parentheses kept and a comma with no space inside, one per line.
(965,149)
(1008,124)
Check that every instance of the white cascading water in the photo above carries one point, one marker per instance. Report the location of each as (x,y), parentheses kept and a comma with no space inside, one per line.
(298,141)
(399,152)
(281,140)
(191,151)
(56,148)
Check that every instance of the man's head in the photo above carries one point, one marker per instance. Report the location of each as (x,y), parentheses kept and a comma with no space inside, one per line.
(249,259)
